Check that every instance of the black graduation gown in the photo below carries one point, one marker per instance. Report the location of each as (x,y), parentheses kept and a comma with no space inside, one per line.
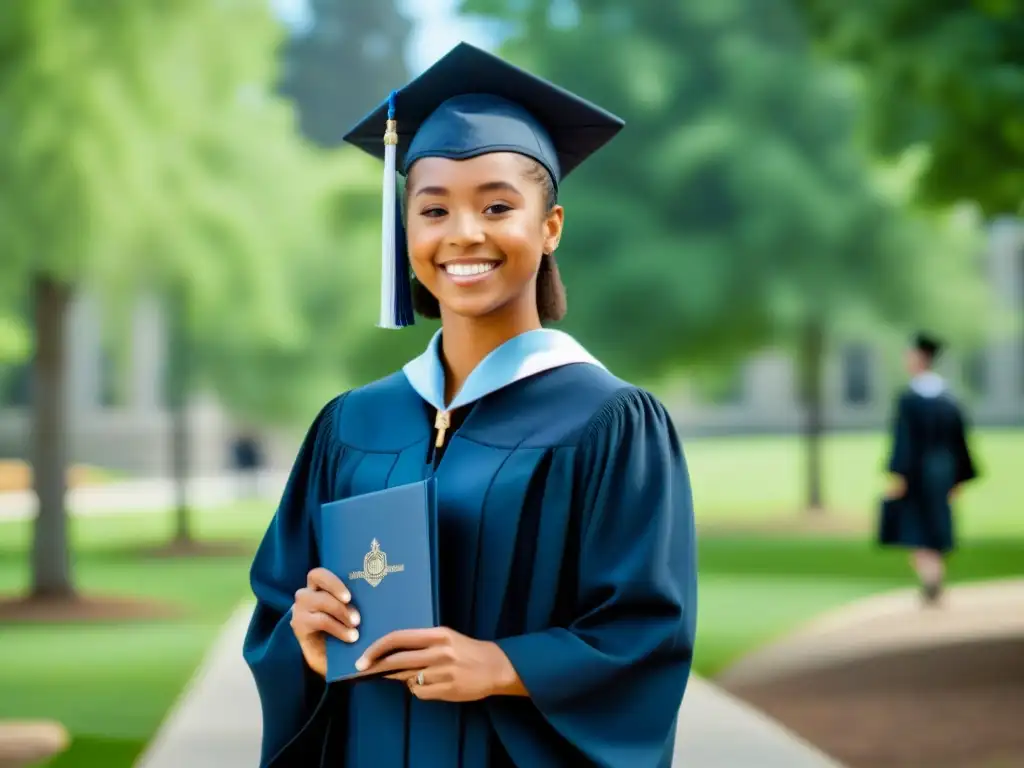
(930,451)
(566,535)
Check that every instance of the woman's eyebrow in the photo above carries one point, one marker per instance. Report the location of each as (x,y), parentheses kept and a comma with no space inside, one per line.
(489,186)
(497,186)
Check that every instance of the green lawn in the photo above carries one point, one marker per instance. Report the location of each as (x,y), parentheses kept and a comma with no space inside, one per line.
(753,590)
(112,685)
(760,478)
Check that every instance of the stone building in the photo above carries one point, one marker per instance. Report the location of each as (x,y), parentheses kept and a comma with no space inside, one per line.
(117,418)
(861,379)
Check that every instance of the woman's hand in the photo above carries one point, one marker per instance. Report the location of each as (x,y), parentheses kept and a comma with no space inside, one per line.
(322,608)
(442,665)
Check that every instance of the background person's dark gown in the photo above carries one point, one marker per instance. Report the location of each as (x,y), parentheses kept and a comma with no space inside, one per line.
(930,451)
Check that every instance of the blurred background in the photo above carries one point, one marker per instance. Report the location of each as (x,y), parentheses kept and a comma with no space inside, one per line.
(189,267)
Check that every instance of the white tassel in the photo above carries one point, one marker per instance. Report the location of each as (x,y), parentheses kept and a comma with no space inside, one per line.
(388,310)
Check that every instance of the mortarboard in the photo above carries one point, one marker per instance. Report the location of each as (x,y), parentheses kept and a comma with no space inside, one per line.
(470,103)
(928,344)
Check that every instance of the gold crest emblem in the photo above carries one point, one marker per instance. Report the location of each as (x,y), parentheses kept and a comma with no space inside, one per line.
(375,566)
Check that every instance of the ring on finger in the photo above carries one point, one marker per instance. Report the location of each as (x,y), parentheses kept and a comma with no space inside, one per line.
(419,677)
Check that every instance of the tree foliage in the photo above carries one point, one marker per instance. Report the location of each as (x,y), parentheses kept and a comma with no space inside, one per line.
(741,207)
(948,75)
(334,286)
(143,150)
(14,339)
(343,64)
(143,147)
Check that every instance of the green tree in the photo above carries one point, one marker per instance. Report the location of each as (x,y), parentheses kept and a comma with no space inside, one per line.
(134,131)
(15,349)
(14,336)
(263,211)
(343,64)
(281,376)
(949,76)
(282,380)
(741,213)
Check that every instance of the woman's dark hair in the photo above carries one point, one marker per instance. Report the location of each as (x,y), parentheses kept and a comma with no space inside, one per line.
(551,302)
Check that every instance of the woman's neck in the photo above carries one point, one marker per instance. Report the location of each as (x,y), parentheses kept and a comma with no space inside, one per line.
(465,341)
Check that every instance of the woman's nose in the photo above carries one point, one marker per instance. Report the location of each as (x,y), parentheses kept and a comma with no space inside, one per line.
(466,230)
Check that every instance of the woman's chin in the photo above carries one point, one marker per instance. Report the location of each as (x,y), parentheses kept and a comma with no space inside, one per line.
(472,307)
(471,310)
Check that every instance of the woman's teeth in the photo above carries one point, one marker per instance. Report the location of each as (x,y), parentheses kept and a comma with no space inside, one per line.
(467,270)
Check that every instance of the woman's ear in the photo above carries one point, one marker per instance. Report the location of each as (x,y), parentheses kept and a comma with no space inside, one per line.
(553,223)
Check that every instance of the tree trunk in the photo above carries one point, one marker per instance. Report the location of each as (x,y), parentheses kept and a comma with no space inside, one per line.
(51,561)
(812,363)
(180,375)
(179,456)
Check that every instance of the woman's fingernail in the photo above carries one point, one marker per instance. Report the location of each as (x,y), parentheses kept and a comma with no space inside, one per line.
(355,617)
(361,663)
(353,635)
(345,597)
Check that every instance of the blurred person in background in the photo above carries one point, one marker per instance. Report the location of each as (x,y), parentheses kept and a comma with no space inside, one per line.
(929,462)
(567,584)
(247,460)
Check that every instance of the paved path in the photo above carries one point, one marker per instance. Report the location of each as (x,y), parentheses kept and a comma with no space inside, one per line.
(148,495)
(717,730)
(936,686)
(216,723)
(886,623)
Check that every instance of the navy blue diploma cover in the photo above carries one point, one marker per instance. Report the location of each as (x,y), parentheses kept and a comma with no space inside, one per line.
(383,545)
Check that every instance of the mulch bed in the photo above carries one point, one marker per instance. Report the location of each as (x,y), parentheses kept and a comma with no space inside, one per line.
(84,609)
(960,706)
(827,524)
(189,549)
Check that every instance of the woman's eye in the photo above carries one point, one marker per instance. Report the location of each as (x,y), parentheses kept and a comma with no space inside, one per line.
(433,212)
(498,208)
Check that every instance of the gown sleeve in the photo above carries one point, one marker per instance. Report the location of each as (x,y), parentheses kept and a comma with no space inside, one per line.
(901,457)
(289,692)
(965,466)
(612,681)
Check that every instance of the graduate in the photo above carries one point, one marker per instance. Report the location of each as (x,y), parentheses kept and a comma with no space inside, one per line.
(566,536)
(929,462)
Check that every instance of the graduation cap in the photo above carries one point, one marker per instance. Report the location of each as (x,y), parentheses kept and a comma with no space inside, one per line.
(470,103)
(927,344)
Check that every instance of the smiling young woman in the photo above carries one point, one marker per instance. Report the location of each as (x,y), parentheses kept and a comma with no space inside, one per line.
(482,234)
(567,581)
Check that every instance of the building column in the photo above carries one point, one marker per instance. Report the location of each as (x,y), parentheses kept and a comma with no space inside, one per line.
(772,389)
(148,356)
(84,350)
(1004,355)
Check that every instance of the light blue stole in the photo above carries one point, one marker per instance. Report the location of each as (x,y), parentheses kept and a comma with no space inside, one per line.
(522,356)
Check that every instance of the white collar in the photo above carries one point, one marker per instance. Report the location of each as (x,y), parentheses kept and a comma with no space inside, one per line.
(928,384)
(522,356)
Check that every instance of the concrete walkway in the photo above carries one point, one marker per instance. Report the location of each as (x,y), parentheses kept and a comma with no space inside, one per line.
(148,495)
(216,722)
(886,623)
